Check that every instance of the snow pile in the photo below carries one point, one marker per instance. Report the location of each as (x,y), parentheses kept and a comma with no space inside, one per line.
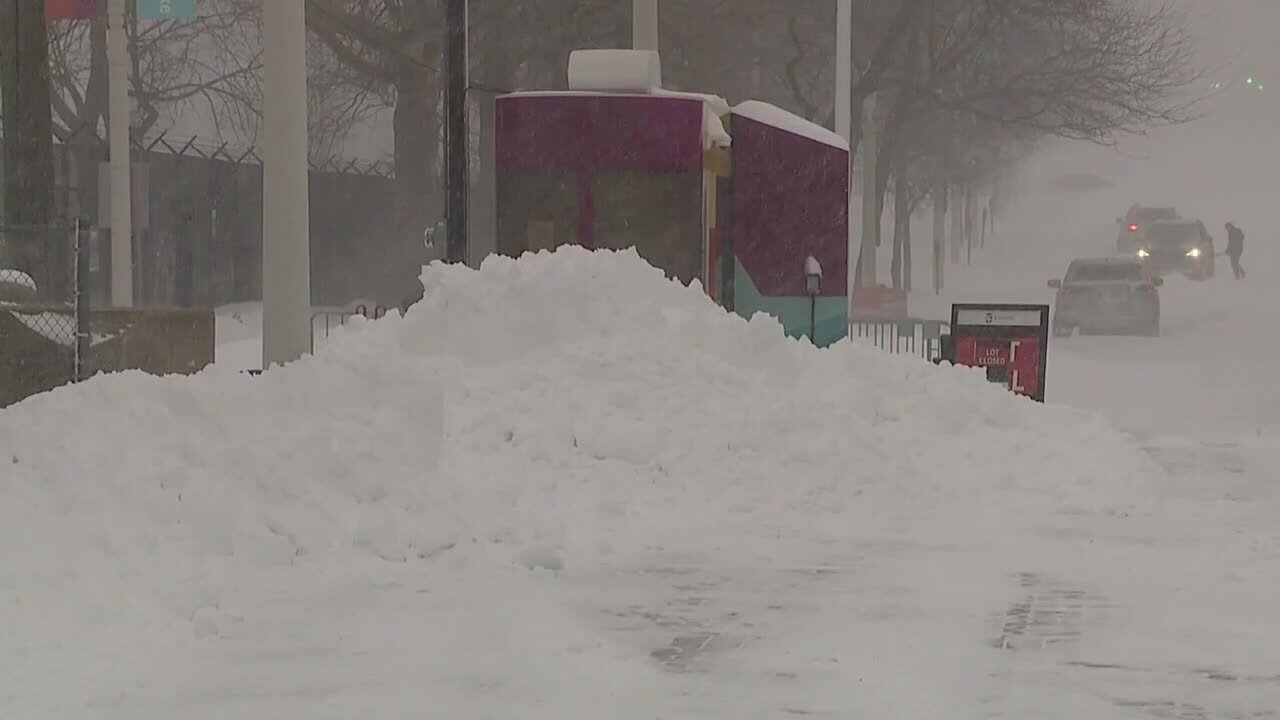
(580,394)
(528,416)
(610,375)
(300,458)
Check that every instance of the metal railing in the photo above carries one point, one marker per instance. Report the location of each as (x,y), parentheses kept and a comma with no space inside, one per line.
(914,336)
(326,321)
(333,319)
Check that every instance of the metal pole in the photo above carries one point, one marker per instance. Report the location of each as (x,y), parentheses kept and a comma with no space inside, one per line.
(644,25)
(844,123)
(457,137)
(286,243)
(121,190)
(968,224)
(813,318)
(939,201)
(83,325)
(870,203)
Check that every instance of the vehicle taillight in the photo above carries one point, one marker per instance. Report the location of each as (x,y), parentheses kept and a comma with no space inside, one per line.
(1147,287)
(1133,228)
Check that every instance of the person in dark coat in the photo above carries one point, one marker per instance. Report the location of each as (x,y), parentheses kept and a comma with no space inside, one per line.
(1235,248)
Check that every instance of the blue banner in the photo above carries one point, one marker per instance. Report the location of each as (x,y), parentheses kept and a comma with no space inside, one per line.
(166,9)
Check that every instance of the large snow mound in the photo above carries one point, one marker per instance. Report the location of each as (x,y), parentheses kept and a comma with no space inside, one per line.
(581,385)
(527,415)
(597,358)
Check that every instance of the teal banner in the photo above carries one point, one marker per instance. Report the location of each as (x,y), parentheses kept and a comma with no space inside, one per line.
(166,9)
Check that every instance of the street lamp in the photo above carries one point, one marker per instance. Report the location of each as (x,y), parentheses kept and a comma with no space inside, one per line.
(813,284)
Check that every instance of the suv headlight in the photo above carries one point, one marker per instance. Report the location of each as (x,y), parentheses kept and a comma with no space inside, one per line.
(1143,253)
(1193,253)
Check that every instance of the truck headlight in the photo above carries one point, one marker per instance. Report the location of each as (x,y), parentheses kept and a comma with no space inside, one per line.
(1143,253)
(1193,253)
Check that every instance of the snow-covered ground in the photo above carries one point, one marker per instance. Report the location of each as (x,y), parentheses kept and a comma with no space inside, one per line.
(567,488)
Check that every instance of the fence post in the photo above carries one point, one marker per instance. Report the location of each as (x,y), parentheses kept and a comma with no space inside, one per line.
(82,305)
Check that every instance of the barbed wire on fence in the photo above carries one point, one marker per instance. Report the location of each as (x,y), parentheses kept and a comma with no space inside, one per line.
(193,146)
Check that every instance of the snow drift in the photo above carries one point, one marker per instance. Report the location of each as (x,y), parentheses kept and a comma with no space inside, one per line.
(530,414)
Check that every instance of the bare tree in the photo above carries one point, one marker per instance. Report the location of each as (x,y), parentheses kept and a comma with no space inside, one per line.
(1085,69)
(207,68)
(974,83)
(394,48)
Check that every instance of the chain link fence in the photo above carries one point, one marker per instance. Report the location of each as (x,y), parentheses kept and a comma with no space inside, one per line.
(44,308)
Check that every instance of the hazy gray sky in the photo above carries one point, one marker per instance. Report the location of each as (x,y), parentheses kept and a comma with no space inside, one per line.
(1223,166)
(1241,32)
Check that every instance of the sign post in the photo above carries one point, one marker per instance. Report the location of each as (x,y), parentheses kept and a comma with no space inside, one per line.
(1010,341)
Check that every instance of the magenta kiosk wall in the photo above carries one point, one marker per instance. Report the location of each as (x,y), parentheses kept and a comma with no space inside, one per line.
(618,170)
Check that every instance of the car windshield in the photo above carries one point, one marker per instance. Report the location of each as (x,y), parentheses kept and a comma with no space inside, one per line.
(1146,215)
(1173,234)
(1104,272)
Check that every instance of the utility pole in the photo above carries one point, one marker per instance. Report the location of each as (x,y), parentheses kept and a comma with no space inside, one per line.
(844,123)
(118,128)
(286,240)
(457,136)
(644,25)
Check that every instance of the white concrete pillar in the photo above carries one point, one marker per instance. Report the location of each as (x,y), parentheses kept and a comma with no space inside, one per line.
(644,25)
(118,141)
(286,242)
(844,122)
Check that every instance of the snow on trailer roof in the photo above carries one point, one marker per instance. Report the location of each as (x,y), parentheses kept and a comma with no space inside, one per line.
(715,103)
(772,115)
(713,106)
(634,73)
(638,73)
